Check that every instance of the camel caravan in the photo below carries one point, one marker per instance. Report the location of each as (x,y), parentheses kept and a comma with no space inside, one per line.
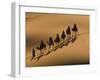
(45,48)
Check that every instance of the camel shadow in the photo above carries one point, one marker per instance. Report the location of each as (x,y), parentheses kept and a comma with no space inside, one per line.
(74,39)
(61,45)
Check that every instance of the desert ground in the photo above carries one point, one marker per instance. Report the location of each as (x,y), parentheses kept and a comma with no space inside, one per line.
(39,26)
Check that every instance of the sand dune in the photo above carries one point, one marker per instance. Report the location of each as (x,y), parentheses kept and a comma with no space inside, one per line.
(41,26)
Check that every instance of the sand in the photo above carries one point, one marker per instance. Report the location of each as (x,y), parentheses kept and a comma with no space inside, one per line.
(41,26)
